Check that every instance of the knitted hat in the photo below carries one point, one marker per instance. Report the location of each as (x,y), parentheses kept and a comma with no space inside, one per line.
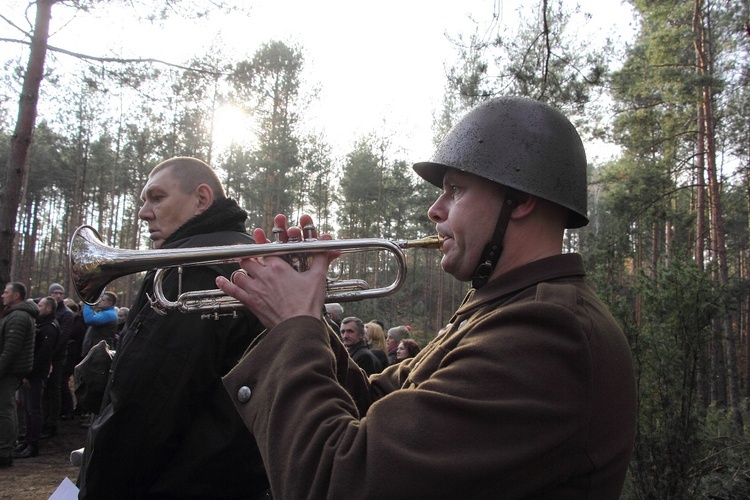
(398,333)
(55,287)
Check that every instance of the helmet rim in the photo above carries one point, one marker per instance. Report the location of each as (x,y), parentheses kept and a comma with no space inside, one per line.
(519,143)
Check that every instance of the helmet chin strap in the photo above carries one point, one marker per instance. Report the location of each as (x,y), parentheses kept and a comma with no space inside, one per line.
(494,248)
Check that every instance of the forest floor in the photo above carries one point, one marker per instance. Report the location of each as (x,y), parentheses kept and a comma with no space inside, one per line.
(38,477)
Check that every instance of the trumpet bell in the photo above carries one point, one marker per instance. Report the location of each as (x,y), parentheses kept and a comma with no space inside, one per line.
(92,264)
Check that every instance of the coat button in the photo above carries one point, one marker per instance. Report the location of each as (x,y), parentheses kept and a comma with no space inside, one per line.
(244,394)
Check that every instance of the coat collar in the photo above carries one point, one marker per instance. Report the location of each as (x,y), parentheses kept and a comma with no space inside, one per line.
(568,266)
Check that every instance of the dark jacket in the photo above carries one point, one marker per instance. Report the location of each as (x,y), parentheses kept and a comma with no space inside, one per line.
(45,340)
(17,329)
(382,357)
(529,392)
(365,358)
(64,317)
(167,427)
(392,356)
(75,344)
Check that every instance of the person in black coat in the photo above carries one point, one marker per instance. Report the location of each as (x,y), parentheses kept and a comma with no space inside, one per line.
(32,389)
(52,401)
(75,344)
(353,337)
(167,427)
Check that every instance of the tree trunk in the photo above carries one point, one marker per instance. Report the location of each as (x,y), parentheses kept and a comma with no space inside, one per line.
(11,194)
(705,384)
(29,254)
(701,26)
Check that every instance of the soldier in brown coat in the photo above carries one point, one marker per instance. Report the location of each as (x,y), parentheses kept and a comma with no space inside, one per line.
(527,392)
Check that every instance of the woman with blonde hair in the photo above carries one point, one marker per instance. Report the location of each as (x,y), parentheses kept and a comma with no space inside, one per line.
(376,341)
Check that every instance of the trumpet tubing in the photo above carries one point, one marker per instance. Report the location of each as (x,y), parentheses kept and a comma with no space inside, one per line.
(93,265)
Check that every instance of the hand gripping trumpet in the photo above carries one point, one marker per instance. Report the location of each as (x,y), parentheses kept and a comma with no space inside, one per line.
(93,265)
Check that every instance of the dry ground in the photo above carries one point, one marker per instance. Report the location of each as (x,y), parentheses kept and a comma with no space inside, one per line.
(38,477)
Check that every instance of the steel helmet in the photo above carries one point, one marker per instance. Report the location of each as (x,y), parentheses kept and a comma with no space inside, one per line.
(522,144)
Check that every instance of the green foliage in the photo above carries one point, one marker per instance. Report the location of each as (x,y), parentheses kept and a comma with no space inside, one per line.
(724,469)
(319,192)
(268,88)
(668,351)
(380,197)
(362,185)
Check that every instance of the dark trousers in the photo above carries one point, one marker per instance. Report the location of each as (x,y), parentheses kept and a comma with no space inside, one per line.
(8,416)
(52,398)
(31,395)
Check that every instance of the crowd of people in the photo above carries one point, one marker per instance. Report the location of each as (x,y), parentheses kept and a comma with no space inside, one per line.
(366,343)
(44,338)
(528,391)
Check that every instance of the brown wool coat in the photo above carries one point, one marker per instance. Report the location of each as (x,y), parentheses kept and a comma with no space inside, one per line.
(528,392)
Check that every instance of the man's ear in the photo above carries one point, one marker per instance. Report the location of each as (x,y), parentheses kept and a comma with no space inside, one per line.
(205,198)
(525,205)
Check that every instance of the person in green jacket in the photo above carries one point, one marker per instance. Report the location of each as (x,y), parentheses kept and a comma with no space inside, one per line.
(17,328)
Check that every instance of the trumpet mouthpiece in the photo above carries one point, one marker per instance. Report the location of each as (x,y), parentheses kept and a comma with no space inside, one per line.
(435,241)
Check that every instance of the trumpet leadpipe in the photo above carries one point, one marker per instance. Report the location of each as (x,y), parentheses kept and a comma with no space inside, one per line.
(429,242)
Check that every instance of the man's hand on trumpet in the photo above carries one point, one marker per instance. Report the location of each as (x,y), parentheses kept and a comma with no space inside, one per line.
(272,289)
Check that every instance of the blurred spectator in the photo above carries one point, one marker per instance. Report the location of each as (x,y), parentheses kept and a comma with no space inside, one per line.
(407,348)
(75,345)
(379,323)
(102,324)
(122,319)
(52,390)
(395,335)
(376,342)
(45,340)
(334,315)
(17,328)
(353,337)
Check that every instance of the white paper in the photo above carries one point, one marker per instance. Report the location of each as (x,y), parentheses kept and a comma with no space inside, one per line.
(66,491)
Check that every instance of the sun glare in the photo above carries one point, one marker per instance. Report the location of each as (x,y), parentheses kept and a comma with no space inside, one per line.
(232,125)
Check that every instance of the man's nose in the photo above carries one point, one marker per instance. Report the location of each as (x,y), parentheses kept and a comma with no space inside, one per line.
(145,212)
(437,212)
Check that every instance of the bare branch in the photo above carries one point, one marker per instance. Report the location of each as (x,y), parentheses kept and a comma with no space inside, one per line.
(26,33)
(119,60)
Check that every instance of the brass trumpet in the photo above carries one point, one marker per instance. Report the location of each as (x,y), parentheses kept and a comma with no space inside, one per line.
(93,265)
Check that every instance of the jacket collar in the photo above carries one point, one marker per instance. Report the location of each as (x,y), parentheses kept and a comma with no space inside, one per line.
(568,266)
(223,215)
(25,306)
(356,347)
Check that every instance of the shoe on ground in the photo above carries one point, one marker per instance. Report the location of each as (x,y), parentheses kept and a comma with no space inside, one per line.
(19,447)
(32,450)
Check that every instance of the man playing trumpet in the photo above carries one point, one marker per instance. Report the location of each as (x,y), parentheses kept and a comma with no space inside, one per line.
(527,392)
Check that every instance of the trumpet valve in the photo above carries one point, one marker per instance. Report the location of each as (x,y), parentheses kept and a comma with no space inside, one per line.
(307,233)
